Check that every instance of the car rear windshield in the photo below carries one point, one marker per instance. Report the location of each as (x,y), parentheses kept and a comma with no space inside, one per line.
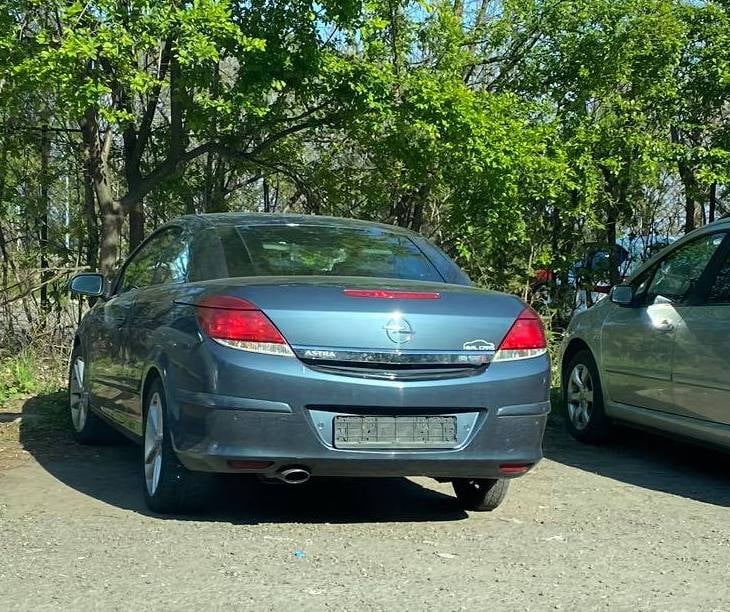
(298,250)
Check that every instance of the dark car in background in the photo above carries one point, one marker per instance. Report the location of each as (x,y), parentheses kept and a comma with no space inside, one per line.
(298,346)
(590,277)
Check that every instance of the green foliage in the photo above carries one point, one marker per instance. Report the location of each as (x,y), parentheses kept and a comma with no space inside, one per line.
(513,133)
(23,374)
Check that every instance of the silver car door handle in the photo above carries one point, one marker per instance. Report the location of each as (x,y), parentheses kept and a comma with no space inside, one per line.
(665,325)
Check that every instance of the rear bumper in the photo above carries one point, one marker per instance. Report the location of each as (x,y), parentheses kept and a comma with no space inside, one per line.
(277,410)
(508,439)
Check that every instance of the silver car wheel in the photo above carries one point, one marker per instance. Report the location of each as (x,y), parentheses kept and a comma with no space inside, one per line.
(580,396)
(78,398)
(153,443)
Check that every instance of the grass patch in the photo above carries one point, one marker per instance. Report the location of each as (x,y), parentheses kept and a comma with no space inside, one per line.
(26,373)
(33,400)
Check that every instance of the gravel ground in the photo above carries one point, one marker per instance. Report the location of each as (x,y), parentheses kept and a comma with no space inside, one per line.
(640,525)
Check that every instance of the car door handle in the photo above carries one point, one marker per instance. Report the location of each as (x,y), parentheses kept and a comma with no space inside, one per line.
(665,325)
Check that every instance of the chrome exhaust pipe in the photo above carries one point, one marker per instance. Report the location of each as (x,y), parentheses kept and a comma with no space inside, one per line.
(293,475)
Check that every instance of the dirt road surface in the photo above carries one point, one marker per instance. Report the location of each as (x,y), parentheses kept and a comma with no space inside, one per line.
(639,525)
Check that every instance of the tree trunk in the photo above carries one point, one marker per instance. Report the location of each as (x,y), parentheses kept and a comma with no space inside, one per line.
(401,210)
(92,223)
(43,218)
(289,204)
(614,277)
(96,155)
(689,182)
(616,202)
(136,225)
(417,217)
(6,258)
(690,201)
(208,184)
(267,198)
(111,234)
(189,202)
(713,203)
(133,177)
(212,200)
(3,247)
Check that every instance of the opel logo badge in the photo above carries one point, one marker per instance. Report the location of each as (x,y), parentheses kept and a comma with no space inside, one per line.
(399,330)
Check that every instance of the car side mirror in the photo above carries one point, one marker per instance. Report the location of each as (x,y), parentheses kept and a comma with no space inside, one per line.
(88,284)
(623,295)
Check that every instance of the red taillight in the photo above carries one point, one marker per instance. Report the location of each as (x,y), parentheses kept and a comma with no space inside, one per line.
(386,294)
(526,332)
(526,338)
(239,324)
(602,289)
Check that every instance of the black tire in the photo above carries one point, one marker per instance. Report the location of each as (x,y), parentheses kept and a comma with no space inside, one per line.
(86,426)
(178,490)
(585,418)
(480,494)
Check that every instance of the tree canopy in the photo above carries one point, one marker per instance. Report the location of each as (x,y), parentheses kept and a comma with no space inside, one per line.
(512,132)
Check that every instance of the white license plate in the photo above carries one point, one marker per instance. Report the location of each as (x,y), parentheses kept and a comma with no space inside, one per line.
(354,431)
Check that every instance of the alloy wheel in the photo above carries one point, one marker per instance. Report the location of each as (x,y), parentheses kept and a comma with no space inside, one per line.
(580,396)
(153,435)
(78,397)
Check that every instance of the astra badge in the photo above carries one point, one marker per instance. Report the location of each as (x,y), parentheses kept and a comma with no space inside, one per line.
(399,330)
(479,345)
(317,354)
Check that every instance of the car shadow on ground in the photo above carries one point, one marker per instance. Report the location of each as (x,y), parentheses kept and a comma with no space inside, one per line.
(645,459)
(112,474)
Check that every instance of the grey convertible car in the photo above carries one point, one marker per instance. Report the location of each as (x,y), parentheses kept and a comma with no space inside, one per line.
(298,346)
(657,353)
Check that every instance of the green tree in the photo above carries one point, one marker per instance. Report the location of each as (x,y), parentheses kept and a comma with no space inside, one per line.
(153,86)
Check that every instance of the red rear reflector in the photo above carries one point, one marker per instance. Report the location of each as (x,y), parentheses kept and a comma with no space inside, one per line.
(512,469)
(385,294)
(527,332)
(237,464)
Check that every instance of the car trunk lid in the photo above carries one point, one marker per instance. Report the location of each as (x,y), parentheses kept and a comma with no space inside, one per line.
(335,319)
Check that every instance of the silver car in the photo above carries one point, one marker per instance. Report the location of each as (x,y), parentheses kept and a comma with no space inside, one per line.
(657,353)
